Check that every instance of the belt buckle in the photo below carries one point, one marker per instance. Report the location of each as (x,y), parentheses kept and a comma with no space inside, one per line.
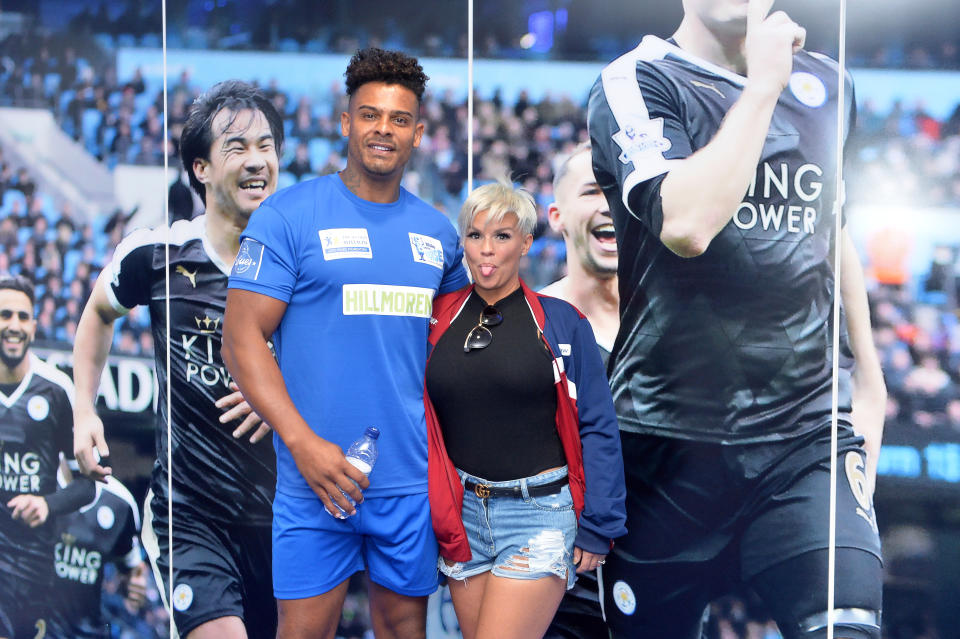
(481,490)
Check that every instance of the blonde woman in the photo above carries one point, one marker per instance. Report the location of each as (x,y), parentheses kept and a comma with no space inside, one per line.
(526,475)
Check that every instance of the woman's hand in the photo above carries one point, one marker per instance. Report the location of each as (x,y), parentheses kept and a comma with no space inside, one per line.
(586,561)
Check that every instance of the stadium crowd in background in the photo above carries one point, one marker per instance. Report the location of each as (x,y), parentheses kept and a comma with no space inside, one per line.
(902,154)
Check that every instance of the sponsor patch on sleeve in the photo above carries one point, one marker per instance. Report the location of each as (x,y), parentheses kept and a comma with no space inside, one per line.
(641,140)
(249,259)
(338,244)
(426,250)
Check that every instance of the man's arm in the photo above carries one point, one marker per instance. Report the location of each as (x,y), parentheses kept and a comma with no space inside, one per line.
(90,350)
(701,193)
(70,495)
(248,323)
(869,390)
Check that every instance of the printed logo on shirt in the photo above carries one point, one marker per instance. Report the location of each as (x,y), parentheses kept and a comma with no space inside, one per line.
(426,250)
(641,138)
(182,270)
(19,472)
(565,350)
(76,563)
(624,598)
(709,86)
(38,408)
(383,299)
(248,259)
(105,517)
(338,244)
(808,89)
(182,597)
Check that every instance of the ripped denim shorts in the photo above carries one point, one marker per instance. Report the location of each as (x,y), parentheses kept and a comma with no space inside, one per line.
(519,537)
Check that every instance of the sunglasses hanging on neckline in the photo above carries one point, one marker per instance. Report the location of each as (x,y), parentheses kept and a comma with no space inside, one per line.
(480,336)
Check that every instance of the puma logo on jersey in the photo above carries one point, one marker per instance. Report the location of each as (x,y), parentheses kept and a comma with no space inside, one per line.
(190,276)
(707,85)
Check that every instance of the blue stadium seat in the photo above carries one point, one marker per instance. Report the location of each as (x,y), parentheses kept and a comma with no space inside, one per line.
(285,179)
(64,101)
(126,40)
(319,150)
(23,234)
(108,134)
(105,40)
(51,84)
(288,45)
(9,196)
(48,209)
(70,261)
(89,124)
(142,102)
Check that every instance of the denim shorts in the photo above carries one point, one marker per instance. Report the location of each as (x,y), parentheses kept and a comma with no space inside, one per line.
(518,537)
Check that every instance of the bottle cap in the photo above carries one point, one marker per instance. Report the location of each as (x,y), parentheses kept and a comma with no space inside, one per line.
(373,432)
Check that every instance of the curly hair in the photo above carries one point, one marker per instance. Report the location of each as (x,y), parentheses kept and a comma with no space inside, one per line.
(391,67)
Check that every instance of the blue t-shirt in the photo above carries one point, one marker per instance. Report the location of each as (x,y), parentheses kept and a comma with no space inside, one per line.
(359,280)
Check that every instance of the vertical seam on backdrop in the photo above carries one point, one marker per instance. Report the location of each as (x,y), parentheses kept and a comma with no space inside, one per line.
(469,96)
(838,247)
(166,283)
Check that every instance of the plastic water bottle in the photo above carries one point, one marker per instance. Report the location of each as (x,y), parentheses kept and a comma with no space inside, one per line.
(362,455)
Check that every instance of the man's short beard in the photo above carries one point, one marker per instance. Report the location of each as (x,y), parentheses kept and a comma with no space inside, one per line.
(597,270)
(12,362)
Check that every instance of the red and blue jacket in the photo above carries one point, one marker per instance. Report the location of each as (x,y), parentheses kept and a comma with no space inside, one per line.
(586,424)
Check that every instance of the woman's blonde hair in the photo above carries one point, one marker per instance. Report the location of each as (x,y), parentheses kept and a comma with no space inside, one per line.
(498,199)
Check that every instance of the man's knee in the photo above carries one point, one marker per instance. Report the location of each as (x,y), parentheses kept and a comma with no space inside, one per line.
(396,615)
(313,617)
(795,592)
(848,623)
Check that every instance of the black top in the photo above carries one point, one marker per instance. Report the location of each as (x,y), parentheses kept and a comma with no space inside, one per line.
(497,405)
(732,345)
(230,480)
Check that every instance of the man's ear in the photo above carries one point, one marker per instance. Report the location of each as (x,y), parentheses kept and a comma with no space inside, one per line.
(553,216)
(200,169)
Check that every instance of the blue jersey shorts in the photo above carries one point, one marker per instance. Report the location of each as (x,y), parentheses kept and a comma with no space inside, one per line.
(392,537)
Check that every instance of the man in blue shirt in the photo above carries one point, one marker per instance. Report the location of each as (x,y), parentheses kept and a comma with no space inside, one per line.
(340,274)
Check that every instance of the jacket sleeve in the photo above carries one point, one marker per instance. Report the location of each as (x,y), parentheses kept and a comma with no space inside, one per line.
(604,515)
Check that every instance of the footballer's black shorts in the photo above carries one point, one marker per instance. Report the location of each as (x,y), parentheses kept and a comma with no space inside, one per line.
(579,615)
(705,517)
(219,570)
(24,611)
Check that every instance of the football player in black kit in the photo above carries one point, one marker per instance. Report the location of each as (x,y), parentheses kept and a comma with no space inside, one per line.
(104,531)
(36,421)
(716,150)
(223,470)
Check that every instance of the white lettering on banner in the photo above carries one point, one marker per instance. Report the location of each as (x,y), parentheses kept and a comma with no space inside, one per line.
(127,384)
(384,299)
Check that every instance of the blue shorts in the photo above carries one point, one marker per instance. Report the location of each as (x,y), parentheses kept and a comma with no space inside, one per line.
(392,537)
(518,537)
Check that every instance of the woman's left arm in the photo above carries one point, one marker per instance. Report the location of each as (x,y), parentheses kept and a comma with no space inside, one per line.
(604,514)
